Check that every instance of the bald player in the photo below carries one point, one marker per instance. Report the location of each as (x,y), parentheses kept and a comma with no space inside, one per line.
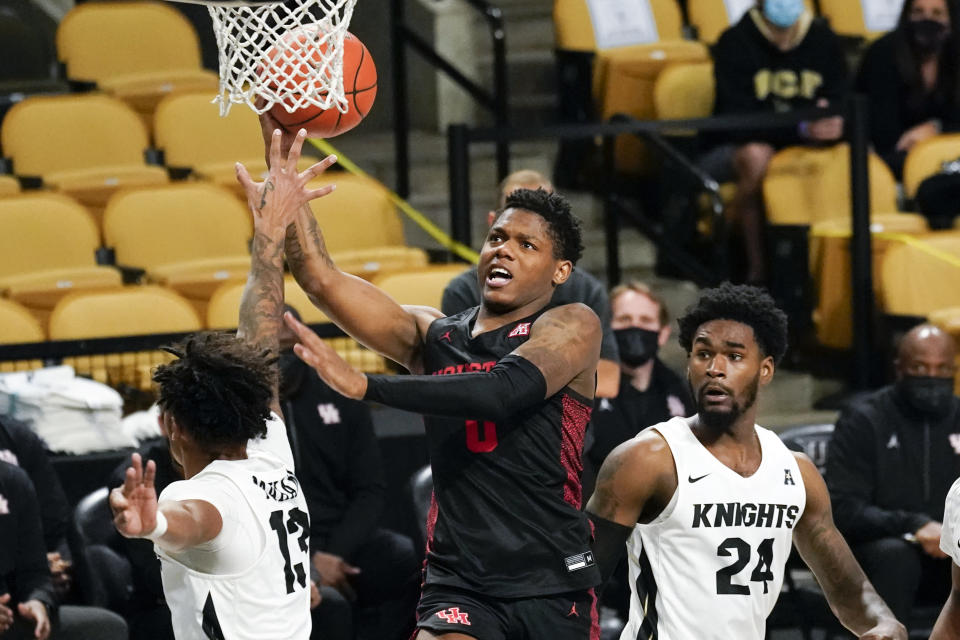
(893,458)
(463,292)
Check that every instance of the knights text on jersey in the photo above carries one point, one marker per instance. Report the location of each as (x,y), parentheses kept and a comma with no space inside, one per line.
(711,565)
(506,519)
(267,596)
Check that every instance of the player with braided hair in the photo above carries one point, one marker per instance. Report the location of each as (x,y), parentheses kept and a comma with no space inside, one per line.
(709,506)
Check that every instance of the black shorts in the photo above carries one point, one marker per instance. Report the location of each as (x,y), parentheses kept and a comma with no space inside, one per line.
(565,616)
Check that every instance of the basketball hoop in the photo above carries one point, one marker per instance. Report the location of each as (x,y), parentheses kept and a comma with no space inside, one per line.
(259,59)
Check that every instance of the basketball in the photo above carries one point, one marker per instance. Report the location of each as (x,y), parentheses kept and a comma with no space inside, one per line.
(359,84)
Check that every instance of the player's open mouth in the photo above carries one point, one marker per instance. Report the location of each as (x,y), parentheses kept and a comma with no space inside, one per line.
(498,277)
(714,394)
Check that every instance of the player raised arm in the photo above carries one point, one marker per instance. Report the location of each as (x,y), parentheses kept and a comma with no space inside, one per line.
(948,624)
(563,349)
(635,483)
(362,310)
(274,204)
(851,596)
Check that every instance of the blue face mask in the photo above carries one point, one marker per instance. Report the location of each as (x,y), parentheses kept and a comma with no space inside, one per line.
(783,13)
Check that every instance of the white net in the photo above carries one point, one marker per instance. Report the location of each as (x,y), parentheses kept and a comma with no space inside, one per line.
(288,53)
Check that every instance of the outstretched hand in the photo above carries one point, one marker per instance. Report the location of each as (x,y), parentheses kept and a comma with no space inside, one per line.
(134,504)
(328,364)
(36,612)
(275,201)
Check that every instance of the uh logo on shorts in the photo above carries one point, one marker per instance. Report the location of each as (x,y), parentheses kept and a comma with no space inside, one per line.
(453,615)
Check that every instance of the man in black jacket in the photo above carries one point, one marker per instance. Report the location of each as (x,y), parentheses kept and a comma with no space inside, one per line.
(893,457)
(776,59)
(369,576)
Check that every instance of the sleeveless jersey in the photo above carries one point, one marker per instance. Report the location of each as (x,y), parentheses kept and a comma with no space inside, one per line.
(711,565)
(505,519)
(270,599)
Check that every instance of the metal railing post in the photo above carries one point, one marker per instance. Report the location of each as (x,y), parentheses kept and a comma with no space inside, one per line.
(401,112)
(611,222)
(860,245)
(500,93)
(458,161)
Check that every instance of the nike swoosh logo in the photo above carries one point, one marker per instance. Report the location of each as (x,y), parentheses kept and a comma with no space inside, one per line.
(691,479)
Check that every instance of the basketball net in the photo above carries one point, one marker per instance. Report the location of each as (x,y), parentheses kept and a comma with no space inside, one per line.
(262,57)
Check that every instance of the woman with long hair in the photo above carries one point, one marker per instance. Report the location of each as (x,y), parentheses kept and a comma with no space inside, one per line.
(912,77)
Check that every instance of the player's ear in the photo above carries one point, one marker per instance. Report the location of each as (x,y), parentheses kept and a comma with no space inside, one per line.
(562,272)
(767,368)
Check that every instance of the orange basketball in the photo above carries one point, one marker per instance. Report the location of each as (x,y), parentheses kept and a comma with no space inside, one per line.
(359,84)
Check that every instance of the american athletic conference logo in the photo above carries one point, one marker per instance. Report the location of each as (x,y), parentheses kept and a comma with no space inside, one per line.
(453,615)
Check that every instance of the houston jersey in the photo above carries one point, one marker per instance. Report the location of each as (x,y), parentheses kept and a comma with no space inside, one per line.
(506,519)
(251,582)
(711,565)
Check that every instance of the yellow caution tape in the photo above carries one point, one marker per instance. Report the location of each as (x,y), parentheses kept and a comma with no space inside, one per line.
(435,232)
(897,236)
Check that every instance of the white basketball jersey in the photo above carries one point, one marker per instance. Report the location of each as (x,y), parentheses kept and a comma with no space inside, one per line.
(255,586)
(711,565)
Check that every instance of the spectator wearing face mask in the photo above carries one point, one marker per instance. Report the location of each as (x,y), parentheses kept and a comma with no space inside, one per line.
(912,77)
(650,392)
(892,460)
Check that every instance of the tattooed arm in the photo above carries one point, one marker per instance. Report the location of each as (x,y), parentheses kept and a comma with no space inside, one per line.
(273,204)
(850,594)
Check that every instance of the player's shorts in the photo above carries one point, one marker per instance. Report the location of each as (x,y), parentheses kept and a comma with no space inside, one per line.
(565,616)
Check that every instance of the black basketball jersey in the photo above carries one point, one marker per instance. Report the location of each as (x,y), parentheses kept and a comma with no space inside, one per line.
(505,519)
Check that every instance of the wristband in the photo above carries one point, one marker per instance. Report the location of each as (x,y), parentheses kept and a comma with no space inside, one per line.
(158,530)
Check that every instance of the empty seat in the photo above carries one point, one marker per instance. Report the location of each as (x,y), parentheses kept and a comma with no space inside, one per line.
(136,51)
(127,311)
(190,236)
(804,185)
(361,228)
(684,91)
(830,269)
(926,159)
(574,28)
(17,324)
(87,146)
(846,17)
(920,275)
(422,287)
(193,135)
(9,186)
(48,244)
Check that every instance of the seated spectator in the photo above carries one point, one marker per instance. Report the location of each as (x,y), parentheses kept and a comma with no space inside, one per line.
(650,393)
(463,292)
(912,77)
(893,458)
(29,607)
(369,576)
(776,59)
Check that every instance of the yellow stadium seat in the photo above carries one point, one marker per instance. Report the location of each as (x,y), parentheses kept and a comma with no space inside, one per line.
(136,51)
(9,186)
(87,146)
(830,268)
(190,236)
(224,309)
(193,135)
(423,287)
(926,159)
(804,185)
(47,249)
(920,276)
(846,18)
(711,18)
(361,228)
(126,311)
(684,91)
(17,324)
(574,30)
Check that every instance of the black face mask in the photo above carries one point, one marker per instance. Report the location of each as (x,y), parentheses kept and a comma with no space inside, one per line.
(927,36)
(637,346)
(292,370)
(927,394)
